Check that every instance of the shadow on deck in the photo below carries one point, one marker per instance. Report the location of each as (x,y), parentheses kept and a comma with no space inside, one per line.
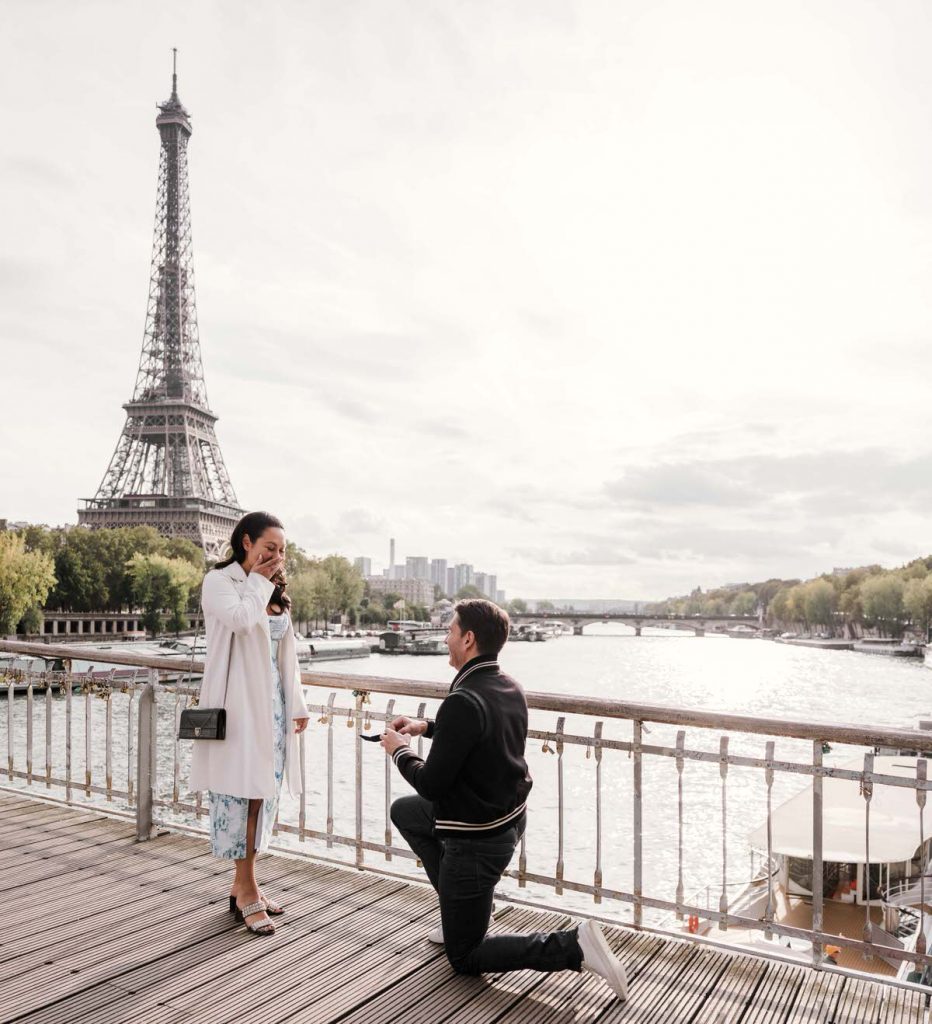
(98,928)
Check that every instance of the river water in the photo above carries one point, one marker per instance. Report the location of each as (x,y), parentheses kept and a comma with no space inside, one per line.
(709,673)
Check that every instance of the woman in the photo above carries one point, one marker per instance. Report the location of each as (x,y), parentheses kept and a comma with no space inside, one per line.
(251,669)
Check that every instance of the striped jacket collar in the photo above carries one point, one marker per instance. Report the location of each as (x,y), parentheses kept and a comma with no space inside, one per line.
(483,661)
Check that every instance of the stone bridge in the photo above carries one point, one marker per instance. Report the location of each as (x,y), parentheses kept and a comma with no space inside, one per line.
(696,624)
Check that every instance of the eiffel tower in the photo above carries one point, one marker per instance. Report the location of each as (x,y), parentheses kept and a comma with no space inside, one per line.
(167,470)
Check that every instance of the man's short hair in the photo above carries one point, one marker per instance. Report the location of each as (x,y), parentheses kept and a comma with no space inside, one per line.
(488,623)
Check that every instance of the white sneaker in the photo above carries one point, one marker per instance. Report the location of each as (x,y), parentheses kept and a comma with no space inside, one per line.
(599,958)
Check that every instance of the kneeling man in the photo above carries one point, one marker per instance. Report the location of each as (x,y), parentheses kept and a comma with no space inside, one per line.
(470,809)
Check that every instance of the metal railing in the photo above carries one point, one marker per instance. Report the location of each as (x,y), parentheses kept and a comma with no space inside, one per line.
(161,678)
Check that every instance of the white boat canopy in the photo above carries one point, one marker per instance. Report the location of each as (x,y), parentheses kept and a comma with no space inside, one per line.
(894,819)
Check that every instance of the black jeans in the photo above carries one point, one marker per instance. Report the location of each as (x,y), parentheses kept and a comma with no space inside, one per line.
(465,872)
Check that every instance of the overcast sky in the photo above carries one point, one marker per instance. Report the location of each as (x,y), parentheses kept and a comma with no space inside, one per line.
(612,299)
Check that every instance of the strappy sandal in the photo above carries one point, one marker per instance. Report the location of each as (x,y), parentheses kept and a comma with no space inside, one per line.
(262,927)
(272,909)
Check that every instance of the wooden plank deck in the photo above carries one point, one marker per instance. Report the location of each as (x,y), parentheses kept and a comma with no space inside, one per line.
(99,929)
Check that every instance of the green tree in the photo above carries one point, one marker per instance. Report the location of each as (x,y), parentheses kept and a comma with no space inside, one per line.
(345,581)
(470,591)
(819,600)
(40,538)
(915,570)
(26,577)
(882,598)
(744,603)
(301,591)
(91,566)
(517,606)
(296,561)
(767,591)
(917,600)
(796,605)
(778,609)
(162,585)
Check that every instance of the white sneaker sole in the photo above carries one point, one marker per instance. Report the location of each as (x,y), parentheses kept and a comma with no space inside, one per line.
(602,961)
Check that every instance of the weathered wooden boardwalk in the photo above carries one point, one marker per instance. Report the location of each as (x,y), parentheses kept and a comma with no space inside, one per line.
(98,928)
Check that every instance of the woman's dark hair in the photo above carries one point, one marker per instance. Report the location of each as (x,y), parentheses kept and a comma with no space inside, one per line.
(252,525)
(279,598)
(488,623)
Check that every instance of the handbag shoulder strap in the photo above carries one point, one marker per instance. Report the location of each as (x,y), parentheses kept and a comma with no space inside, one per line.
(197,631)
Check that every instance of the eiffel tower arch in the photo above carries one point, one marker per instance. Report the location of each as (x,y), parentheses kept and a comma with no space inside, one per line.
(167,470)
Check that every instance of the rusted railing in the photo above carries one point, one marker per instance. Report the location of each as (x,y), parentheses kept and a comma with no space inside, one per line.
(158,680)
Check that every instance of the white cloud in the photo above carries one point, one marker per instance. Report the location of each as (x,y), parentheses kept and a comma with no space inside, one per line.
(510,277)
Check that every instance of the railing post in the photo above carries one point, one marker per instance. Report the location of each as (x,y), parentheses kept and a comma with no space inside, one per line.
(817,851)
(923,859)
(597,877)
(558,888)
(636,729)
(68,702)
(29,711)
(723,772)
(389,717)
(680,747)
(361,699)
(10,687)
(145,764)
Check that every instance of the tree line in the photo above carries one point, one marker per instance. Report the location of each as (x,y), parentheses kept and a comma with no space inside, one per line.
(889,602)
(136,569)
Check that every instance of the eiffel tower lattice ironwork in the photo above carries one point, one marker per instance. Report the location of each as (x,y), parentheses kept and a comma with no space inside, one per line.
(167,470)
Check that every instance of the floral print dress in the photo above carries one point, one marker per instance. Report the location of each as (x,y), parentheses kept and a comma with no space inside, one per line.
(228,814)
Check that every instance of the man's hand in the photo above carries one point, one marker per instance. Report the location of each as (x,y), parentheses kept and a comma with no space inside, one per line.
(300,724)
(392,740)
(409,726)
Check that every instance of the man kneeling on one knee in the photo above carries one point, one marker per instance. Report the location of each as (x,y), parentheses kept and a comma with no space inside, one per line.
(469,811)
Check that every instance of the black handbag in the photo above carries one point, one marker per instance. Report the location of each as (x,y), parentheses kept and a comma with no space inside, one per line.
(205,723)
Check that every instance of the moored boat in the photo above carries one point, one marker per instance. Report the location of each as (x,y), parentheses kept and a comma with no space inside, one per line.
(888,646)
(885,894)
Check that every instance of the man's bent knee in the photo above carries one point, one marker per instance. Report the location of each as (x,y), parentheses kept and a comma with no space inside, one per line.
(462,962)
(409,814)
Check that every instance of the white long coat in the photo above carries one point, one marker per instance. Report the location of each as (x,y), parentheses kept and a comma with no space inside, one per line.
(237,629)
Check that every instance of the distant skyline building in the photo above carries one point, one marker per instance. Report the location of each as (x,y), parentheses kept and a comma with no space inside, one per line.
(438,571)
(410,590)
(462,577)
(417,567)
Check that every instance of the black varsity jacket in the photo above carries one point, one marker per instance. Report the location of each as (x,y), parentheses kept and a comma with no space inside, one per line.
(475,773)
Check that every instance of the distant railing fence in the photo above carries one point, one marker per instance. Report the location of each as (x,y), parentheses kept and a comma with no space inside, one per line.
(139,678)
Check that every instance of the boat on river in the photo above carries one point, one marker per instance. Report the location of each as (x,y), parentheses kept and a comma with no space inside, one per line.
(886,894)
(312,650)
(888,646)
(531,632)
(413,638)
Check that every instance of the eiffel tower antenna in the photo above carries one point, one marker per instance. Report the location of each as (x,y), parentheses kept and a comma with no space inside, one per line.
(167,470)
